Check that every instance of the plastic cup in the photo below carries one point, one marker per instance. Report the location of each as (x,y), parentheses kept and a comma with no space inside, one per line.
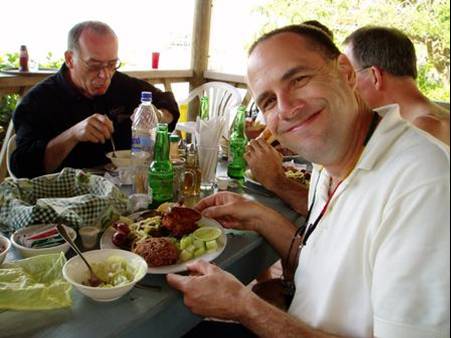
(88,236)
(155,60)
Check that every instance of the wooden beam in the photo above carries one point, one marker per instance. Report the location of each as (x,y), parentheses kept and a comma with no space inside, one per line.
(199,48)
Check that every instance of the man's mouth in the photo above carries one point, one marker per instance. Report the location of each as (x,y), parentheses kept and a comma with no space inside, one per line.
(296,126)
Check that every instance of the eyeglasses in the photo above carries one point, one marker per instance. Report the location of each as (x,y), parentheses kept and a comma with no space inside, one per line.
(362,69)
(95,67)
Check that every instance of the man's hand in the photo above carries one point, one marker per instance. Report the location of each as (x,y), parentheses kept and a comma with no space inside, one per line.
(233,210)
(265,163)
(210,291)
(96,128)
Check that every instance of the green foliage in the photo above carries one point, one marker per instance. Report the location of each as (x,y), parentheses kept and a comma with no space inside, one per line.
(9,60)
(426,22)
(7,105)
(8,102)
(51,62)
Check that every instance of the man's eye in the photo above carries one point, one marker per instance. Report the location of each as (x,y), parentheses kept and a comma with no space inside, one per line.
(301,80)
(267,104)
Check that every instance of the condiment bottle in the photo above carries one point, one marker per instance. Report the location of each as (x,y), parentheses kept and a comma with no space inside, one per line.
(193,174)
(238,141)
(23,59)
(161,174)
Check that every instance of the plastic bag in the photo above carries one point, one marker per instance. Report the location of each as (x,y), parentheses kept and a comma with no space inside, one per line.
(34,283)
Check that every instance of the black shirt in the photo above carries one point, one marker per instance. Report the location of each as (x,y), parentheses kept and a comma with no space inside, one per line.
(54,105)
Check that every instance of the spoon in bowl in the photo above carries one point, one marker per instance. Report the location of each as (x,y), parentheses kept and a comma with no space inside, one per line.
(113,146)
(93,279)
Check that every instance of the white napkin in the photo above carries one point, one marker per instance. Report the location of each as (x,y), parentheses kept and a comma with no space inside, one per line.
(208,133)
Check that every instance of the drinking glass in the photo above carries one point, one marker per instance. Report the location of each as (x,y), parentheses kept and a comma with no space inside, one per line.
(155,60)
(208,160)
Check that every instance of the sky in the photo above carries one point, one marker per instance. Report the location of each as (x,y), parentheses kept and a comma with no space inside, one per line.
(142,26)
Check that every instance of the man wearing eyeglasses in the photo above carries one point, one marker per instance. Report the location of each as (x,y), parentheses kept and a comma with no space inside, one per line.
(66,120)
(385,63)
(373,255)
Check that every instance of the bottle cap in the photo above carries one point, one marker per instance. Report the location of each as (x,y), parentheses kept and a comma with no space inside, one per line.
(146,96)
(174,138)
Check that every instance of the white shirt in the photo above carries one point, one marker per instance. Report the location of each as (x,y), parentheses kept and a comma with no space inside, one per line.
(378,262)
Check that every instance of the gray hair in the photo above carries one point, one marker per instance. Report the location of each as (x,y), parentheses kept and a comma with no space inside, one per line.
(73,39)
(387,48)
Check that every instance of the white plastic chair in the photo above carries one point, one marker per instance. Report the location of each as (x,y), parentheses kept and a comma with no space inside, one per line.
(223,100)
(9,150)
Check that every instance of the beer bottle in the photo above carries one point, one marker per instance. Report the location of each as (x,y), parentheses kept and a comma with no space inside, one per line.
(161,175)
(237,144)
(204,108)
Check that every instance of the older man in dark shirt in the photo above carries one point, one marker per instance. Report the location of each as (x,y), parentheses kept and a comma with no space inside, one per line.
(66,120)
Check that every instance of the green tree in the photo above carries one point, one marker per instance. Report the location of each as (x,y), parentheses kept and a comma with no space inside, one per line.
(426,22)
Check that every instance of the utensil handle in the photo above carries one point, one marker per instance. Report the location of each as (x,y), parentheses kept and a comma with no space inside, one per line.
(113,145)
(67,238)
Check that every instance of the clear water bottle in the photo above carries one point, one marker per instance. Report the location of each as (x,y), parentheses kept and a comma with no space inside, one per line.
(143,141)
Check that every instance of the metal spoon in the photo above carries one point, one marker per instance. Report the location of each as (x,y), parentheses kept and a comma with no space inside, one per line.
(113,145)
(93,280)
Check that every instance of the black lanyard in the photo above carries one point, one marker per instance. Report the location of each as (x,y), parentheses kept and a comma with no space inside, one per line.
(303,232)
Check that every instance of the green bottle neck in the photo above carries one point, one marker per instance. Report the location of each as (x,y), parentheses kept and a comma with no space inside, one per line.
(239,124)
(161,146)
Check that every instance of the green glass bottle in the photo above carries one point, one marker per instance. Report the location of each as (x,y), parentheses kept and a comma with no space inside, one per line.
(238,141)
(204,108)
(160,171)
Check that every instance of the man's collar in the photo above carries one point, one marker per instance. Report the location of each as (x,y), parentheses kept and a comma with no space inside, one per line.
(389,129)
(63,78)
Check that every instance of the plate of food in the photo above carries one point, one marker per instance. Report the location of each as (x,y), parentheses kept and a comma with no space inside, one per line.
(167,240)
(294,171)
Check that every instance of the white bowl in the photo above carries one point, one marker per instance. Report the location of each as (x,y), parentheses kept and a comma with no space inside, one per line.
(76,272)
(122,159)
(5,245)
(17,237)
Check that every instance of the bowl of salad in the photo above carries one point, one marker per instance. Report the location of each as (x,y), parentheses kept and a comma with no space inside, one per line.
(119,271)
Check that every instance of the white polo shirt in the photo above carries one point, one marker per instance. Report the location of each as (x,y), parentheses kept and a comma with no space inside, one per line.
(378,263)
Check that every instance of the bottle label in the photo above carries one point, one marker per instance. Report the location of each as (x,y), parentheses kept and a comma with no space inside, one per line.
(142,143)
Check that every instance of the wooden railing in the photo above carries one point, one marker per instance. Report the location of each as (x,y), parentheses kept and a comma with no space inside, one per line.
(20,84)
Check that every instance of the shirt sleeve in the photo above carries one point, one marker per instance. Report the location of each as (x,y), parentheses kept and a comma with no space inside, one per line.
(410,291)
(27,159)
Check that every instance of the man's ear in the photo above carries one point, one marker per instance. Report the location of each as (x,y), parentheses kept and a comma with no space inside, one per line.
(69,58)
(345,67)
(378,78)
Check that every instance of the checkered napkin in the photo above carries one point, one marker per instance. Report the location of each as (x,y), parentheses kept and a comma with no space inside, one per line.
(72,197)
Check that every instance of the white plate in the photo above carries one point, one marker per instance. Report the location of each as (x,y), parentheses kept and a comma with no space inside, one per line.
(248,177)
(248,174)
(106,243)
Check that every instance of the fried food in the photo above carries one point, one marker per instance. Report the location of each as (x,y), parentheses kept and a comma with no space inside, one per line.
(181,221)
(157,251)
(268,136)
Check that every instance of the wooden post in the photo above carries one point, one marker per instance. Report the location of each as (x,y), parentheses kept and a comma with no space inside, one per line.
(199,48)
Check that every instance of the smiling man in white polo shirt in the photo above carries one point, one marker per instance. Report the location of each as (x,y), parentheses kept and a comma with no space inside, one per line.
(375,259)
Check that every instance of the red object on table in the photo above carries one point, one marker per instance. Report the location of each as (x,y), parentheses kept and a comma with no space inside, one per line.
(155,60)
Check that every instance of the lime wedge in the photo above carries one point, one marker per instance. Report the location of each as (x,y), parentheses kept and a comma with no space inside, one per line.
(207,234)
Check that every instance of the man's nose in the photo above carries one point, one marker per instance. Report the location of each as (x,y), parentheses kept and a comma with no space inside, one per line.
(103,73)
(289,106)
